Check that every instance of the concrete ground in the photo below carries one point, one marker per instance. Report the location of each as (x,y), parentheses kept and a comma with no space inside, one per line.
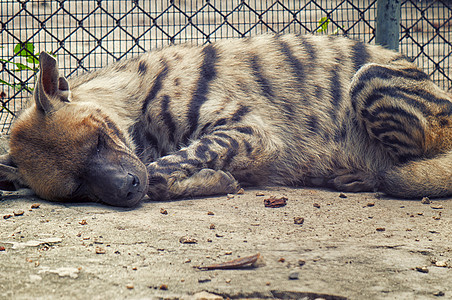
(364,246)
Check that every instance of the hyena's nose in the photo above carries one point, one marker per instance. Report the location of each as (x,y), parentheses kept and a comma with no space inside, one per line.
(133,184)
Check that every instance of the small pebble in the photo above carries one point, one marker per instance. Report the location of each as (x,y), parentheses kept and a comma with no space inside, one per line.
(130,286)
(163,287)
(204,280)
(436,206)
(293,275)
(426,200)
(7,216)
(342,195)
(260,194)
(381,229)
(212,226)
(188,240)
(163,211)
(241,191)
(210,213)
(35,205)
(422,269)
(439,294)
(83,222)
(301,262)
(441,263)
(370,204)
(19,213)
(298,220)
(316,205)
(2,248)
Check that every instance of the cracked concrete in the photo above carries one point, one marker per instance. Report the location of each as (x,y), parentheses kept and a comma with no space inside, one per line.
(362,246)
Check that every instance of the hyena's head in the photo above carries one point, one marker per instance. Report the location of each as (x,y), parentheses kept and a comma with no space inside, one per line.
(71,151)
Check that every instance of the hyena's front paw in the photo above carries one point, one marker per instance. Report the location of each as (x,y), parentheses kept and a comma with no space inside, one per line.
(206,182)
(355,182)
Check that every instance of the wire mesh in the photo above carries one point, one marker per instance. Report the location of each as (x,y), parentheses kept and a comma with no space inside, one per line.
(87,34)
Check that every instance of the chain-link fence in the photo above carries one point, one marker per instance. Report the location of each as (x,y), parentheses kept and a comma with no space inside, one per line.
(87,34)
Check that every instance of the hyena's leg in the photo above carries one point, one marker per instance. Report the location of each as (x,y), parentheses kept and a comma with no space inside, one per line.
(205,166)
(412,118)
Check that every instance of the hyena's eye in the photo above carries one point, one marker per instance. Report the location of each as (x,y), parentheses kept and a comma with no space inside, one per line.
(100,144)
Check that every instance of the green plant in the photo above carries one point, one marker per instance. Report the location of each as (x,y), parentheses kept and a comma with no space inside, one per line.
(27,51)
(323,26)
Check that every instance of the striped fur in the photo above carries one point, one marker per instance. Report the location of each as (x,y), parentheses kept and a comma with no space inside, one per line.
(267,110)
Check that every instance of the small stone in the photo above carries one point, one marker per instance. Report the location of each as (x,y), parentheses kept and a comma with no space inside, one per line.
(204,280)
(7,216)
(370,204)
(206,296)
(187,261)
(19,213)
(129,286)
(100,250)
(380,229)
(426,200)
(439,294)
(228,280)
(188,240)
(241,191)
(422,269)
(228,253)
(293,275)
(298,220)
(260,194)
(163,211)
(282,259)
(230,196)
(316,205)
(441,263)
(163,287)
(2,248)
(83,222)
(301,262)
(210,213)
(342,195)
(436,206)
(35,205)
(212,226)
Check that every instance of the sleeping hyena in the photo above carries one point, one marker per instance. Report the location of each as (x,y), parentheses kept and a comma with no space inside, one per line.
(269,110)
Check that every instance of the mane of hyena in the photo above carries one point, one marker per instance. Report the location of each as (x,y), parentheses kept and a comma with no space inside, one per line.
(273,109)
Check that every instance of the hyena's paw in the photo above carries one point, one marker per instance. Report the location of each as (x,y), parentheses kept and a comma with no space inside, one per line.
(204,183)
(355,182)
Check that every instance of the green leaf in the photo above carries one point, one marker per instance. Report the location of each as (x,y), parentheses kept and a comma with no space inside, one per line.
(32,59)
(3,107)
(25,49)
(6,83)
(21,67)
(323,23)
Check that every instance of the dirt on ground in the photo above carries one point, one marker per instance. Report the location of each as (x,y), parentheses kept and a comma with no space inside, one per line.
(318,245)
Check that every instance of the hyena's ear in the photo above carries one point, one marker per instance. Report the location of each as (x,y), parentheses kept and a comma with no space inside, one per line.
(51,91)
(8,171)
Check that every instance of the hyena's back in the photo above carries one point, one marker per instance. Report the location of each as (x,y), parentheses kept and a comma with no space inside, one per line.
(281,109)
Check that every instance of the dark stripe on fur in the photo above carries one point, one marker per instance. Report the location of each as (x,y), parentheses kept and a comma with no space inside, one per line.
(238,115)
(295,63)
(156,86)
(142,68)
(207,74)
(360,55)
(167,118)
(263,83)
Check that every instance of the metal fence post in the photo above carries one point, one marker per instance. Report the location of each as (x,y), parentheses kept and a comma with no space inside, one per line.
(388,23)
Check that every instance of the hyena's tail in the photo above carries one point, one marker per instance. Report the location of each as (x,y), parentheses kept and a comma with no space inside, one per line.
(422,178)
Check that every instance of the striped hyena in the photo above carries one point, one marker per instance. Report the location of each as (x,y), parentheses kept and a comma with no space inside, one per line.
(189,121)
